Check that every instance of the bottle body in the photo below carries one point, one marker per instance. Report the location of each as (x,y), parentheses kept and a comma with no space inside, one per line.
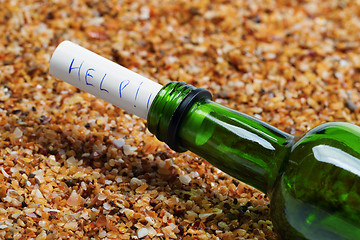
(313,183)
(318,194)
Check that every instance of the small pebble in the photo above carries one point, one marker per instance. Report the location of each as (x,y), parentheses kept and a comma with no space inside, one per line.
(71,225)
(142,232)
(18,133)
(119,142)
(351,105)
(185,179)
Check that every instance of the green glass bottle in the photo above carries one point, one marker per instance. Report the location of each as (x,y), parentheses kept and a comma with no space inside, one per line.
(313,181)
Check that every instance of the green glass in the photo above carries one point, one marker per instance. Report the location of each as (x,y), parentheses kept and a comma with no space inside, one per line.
(313,181)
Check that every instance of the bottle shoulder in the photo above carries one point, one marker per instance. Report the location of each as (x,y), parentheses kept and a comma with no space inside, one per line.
(332,132)
(330,145)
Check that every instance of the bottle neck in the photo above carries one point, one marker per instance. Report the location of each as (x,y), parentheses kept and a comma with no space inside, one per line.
(240,145)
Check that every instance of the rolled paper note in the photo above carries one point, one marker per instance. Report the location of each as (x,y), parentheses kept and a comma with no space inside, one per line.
(103,78)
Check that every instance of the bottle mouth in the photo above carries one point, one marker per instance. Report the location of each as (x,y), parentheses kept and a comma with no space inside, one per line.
(169,108)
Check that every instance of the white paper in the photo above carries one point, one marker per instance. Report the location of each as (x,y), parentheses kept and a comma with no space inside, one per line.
(103,78)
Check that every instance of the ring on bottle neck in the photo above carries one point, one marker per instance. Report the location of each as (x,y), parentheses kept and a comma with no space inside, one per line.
(169,109)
